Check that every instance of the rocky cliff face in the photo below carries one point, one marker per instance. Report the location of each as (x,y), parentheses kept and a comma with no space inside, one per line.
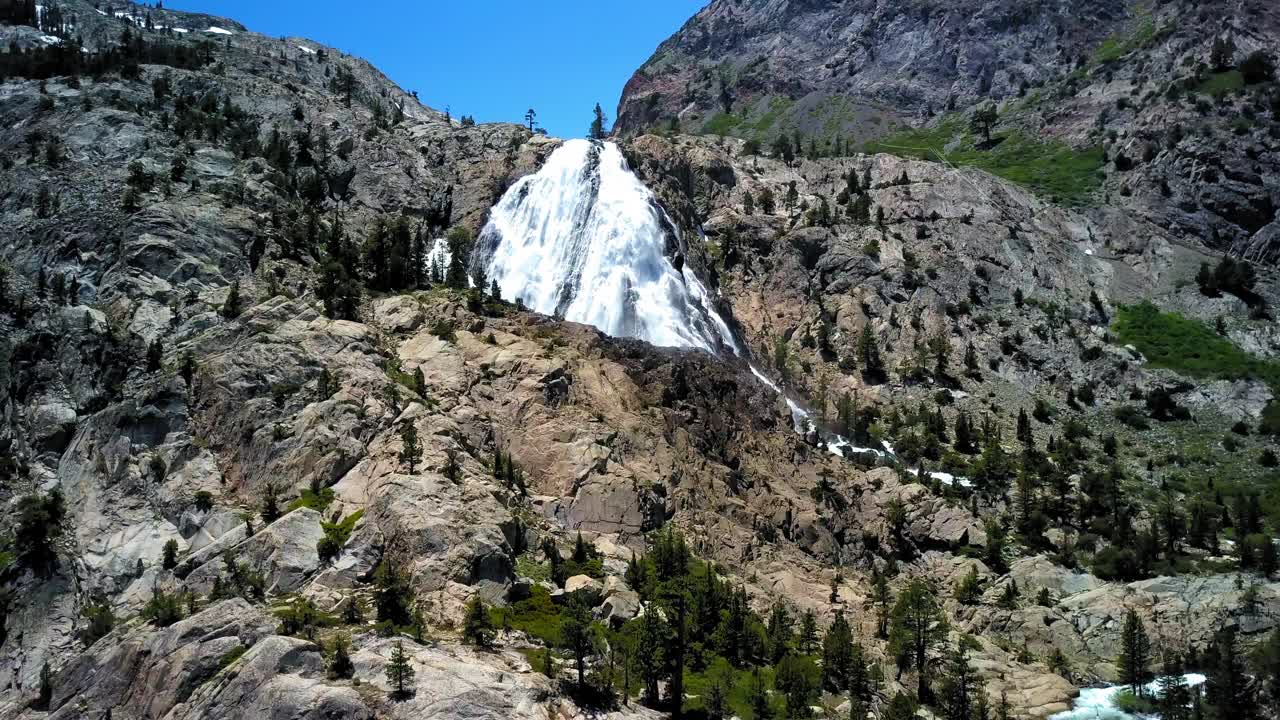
(1183,133)
(855,67)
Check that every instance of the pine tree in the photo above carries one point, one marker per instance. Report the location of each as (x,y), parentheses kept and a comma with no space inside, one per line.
(918,625)
(187,368)
(964,442)
(969,589)
(650,653)
(1134,663)
(597,131)
(392,594)
(1266,660)
(1223,53)
(881,598)
(411,451)
(581,553)
(860,680)
(46,688)
(170,556)
(796,678)
(352,613)
(399,671)
(718,691)
(270,503)
(807,638)
(1175,697)
(340,665)
(960,692)
(155,355)
(837,655)
(983,119)
(1228,687)
(758,697)
(477,627)
(460,240)
(869,357)
(778,631)
(575,636)
(1024,428)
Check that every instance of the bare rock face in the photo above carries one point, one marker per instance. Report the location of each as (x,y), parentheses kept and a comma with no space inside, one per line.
(803,64)
(286,549)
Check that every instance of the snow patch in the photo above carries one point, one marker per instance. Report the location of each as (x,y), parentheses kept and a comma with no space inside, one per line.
(219,31)
(306,50)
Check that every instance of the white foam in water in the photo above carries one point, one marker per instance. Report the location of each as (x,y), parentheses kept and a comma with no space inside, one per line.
(1100,703)
(586,241)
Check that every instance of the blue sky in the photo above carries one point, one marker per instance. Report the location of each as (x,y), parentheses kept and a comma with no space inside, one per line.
(493,59)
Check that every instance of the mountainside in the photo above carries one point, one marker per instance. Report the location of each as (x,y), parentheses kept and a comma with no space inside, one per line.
(848,68)
(946,414)
(1160,108)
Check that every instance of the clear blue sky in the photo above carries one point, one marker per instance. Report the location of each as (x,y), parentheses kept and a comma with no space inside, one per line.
(493,59)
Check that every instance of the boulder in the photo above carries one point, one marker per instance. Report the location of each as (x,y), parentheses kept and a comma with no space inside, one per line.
(618,608)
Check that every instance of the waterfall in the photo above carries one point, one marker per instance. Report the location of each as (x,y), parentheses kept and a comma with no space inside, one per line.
(584,240)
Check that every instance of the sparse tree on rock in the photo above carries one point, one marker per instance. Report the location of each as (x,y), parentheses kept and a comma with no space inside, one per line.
(597,131)
(399,671)
(478,626)
(170,557)
(411,451)
(340,665)
(983,119)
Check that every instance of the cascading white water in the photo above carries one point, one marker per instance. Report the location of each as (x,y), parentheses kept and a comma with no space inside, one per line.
(584,240)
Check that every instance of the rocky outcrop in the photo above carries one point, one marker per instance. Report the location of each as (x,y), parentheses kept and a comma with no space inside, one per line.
(824,67)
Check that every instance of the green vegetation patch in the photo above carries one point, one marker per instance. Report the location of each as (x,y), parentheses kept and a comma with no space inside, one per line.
(1169,340)
(1218,84)
(536,615)
(1051,169)
(778,106)
(739,681)
(340,531)
(721,124)
(526,566)
(316,501)
(1122,43)
(231,656)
